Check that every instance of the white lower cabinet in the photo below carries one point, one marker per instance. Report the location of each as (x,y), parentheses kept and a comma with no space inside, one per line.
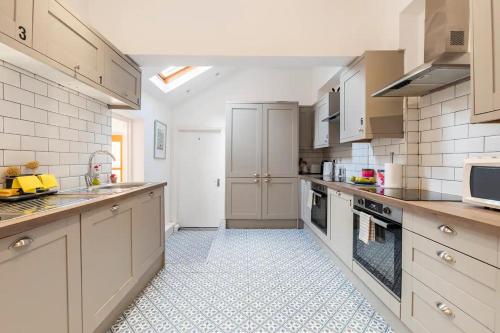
(424,310)
(40,279)
(147,225)
(341,232)
(106,243)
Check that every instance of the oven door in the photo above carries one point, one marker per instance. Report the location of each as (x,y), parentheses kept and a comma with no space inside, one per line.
(319,211)
(382,256)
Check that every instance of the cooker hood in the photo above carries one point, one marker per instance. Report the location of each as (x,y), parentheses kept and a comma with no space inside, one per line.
(446,56)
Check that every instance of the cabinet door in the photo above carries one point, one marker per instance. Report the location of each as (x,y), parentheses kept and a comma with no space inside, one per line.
(352,104)
(16,17)
(280,140)
(147,230)
(106,242)
(279,199)
(341,232)
(486,58)
(243,140)
(306,128)
(121,77)
(62,37)
(321,109)
(40,282)
(243,198)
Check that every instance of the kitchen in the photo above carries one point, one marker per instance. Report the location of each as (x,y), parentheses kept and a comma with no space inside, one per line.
(352,187)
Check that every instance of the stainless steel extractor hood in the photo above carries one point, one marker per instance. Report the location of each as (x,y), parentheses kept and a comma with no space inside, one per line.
(446,56)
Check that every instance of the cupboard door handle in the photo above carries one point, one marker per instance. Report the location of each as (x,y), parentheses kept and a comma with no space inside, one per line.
(77,67)
(256,175)
(151,194)
(255,180)
(20,243)
(447,229)
(445,309)
(446,257)
(115,208)
(267,180)
(100,79)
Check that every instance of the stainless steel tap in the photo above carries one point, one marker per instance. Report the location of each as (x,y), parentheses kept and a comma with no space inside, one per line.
(89,175)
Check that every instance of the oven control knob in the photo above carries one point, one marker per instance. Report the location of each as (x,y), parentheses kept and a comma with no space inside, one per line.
(387,210)
(361,202)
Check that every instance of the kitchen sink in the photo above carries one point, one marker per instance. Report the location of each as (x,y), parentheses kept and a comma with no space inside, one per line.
(106,189)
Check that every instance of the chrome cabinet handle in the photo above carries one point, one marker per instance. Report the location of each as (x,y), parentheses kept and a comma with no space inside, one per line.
(77,67)
(267,175)
(445,309)
(266,180)
(256,175)
(151,194)
(447,229)
(255,180)
(115,208)
(446,257)
(20,243)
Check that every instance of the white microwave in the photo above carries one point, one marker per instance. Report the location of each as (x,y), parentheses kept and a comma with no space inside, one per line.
(482,181)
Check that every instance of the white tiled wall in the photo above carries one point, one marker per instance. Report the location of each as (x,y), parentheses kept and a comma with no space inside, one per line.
(44,121)
(438,138)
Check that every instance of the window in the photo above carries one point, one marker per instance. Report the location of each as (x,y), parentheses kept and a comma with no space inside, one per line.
(174,76)
(117,151)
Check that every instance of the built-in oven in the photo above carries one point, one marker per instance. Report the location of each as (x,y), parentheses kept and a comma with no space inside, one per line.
(319,208)
(380,255)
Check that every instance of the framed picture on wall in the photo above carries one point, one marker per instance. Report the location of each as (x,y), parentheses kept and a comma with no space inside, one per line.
(160,144)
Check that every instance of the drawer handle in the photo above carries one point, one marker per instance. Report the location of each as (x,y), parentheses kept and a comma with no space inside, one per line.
(20,243)
(151,194)
(115,208)
(445,309)
(256,175)
(447,229)
(255,180)
(446,257)
(267,180)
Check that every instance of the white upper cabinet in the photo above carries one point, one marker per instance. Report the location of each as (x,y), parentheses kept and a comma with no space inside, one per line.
(363,117)
(485,16)
(121,77)
(16,20)
(243,140)
(66,40)
(326,132)
(280,140)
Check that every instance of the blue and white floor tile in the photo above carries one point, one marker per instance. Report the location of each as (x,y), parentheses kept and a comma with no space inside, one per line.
(249,281)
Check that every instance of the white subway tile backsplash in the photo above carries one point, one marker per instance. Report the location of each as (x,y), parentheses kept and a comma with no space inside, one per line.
(443,95)
(462,117)
(454,105)
(445,173)
(86,115)
(68,134)
(93,106)
(492,144)
(58,120)
(33,114)
(462,89)
(446,120)
(79,124)
(47,131)
(79,169)
(10,76)
(69,158)
(77,101)
(47,158)
(431,160)
(471,145)
(452,187)
(69,182)
(10,141)
(430,136)
(454,160)
(78,147)
(46,103)
(443,147)
(58,94)
(59,170)
(431,184)
(476,130)
(85,136)
(1,124)
(18,95)
(430,111)
(456,132)
(68,110)
(425,124)
(17,157)
(61,146)
(10,109)
(31,84)
(17,126)
(34,143)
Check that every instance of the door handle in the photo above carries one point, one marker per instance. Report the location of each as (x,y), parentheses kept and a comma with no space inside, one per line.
(114,208)
(20,243)
(266,180)
(218,182)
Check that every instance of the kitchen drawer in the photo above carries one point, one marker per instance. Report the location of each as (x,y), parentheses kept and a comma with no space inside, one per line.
(469,283)
(421,313)
(463,237)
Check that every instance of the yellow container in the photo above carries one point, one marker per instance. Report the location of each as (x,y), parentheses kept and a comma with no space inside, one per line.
(48,181)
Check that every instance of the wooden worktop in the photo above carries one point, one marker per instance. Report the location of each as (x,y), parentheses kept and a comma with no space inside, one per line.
(441,209)
(27,222)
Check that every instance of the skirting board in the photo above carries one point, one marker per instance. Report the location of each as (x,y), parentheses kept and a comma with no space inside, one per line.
(262,224)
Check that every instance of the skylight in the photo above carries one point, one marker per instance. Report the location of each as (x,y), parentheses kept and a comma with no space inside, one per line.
(174,76)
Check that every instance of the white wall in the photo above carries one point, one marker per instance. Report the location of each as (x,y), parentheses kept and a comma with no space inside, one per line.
(207,109)
(144,166)
(248,28)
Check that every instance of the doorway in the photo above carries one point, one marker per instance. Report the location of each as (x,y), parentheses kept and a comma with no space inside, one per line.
(120,148)
(200,178)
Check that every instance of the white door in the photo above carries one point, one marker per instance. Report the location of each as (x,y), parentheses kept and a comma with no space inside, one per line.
(200,170)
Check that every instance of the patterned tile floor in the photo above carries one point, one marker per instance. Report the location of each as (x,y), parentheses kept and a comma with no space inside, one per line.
(249,281)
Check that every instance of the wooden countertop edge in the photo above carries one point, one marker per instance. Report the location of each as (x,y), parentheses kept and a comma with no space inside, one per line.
(28,222)
(446,210)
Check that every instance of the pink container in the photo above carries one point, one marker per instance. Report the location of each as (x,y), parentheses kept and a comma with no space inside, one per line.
(368,173)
